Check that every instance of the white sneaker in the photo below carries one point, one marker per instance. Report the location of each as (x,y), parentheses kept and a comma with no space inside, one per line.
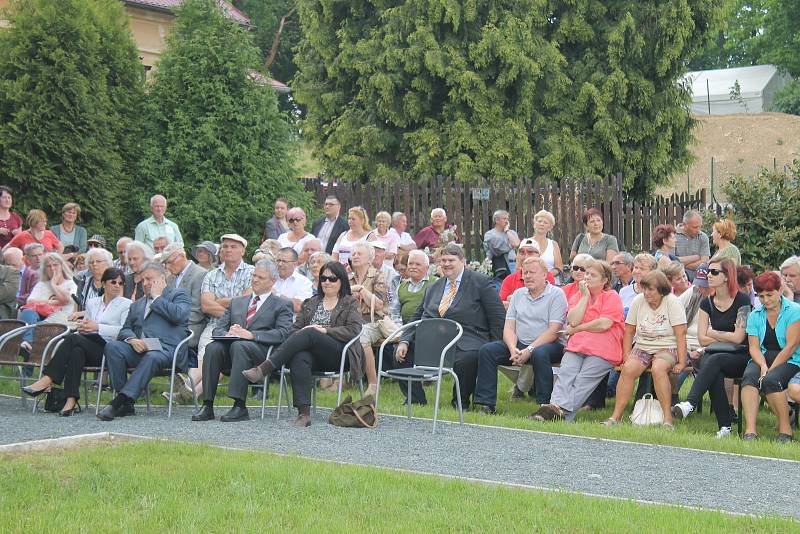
(682,410)
(724,431)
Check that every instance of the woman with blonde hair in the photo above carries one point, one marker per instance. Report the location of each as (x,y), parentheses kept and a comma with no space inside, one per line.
(68,232)
(359,229)
(723,232)
(37,232)
(382,232)
(53,292)
(543,224)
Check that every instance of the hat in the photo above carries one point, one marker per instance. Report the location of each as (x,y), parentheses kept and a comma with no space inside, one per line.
(378,244)
(97,238)
(169,250)
(234,237)
(701,275)
(529,242)
(208,246)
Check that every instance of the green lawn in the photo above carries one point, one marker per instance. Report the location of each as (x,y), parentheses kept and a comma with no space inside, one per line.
(215,490)
(695,432)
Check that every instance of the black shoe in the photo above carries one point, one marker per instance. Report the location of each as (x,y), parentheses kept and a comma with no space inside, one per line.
(126,410)
(784,438)
(464,405)
(75,409)
(235,414)
(107,414)
(488,409)
(33,393)
(205,413)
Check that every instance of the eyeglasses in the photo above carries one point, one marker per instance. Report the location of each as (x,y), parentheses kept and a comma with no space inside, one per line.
(284,261)
(714,272)
(115,282)
(579,268)
(294,219)
(615,263)
(331,279)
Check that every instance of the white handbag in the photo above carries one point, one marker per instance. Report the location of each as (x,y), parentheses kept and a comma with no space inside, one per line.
(647,411)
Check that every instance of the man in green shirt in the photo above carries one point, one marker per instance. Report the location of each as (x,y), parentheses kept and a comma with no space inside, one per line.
(157,225)
(412,288)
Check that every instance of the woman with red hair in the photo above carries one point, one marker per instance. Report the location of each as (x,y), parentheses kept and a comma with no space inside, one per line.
(594,242)
(773,333)
(721,324)
(664,241)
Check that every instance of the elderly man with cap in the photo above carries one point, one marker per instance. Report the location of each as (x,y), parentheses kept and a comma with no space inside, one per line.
(187,275)
(157,225)
(231,279)
(528,248)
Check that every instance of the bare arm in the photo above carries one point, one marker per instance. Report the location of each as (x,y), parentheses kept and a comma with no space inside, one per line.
(558,263)
(599,325)
(510,335)
(213,307)
(627,339)
(513,238)
(792,342)
(754,348)
(680,335)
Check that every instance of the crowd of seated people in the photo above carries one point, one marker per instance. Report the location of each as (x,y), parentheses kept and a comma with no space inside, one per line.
(591,328)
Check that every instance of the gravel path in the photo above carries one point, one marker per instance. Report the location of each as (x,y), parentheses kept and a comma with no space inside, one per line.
(538,459)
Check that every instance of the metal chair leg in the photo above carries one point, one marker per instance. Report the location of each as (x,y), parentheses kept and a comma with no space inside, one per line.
(408,400)
(100,384)
(280,395)
(264,390)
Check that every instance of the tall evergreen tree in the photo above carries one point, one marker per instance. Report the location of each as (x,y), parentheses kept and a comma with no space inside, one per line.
(217,146)
(70,96)
(500,88)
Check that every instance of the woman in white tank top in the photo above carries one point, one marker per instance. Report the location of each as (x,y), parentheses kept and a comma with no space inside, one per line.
(359,228)
(543,223)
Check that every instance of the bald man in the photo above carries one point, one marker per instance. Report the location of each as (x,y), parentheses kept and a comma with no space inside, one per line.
(157,225)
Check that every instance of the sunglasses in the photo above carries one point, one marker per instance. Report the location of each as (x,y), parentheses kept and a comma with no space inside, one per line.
(331,279)
(115,282)
(579,268)
(714,272)
(294,219)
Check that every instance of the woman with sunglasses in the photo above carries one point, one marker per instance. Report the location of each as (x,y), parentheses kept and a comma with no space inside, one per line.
(101,322)
(579,264)
(722,319)
(297,236)
(326,322)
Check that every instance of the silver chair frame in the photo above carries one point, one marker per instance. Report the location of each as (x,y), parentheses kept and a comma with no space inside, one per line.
(437,378)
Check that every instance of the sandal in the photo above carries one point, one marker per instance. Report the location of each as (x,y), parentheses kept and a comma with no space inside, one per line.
(668,426)
(610,422)
(750,437)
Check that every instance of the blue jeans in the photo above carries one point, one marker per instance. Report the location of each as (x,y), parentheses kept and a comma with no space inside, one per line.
(30,317)
(496,353)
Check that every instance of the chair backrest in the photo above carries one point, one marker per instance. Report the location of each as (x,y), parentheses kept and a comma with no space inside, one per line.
(9,351)
(43,334)
(431,338)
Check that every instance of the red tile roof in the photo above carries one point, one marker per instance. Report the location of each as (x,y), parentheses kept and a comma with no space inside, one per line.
(170,5)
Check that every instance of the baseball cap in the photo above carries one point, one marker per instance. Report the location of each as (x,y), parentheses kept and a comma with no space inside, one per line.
(378,244)
(97,238)
(530,243)
(701,275)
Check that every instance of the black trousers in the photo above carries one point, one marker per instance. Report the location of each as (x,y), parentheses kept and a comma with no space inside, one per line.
(775,381)
(75,352)
(465,365)
(714,369)
(306,351)
(230,358)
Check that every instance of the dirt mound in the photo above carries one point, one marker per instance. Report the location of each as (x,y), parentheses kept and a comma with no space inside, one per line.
(739,144)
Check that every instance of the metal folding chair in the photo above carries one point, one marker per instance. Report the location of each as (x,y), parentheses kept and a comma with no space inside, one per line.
(317,376)
(171,372)
(46,338)
(433,341)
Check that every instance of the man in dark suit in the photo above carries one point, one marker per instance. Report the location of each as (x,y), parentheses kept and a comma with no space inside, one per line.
(161,314)
(329,228)
(254,322)
(187,275)
(469,298)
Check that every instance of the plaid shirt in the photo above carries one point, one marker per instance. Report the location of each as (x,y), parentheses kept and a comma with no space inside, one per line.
(218,284)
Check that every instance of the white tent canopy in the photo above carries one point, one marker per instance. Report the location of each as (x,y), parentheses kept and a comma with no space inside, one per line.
(757,88)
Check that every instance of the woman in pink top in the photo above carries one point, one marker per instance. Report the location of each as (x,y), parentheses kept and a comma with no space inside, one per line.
(594,326)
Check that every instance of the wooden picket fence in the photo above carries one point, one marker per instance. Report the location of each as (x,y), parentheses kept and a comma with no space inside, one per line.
(470,206)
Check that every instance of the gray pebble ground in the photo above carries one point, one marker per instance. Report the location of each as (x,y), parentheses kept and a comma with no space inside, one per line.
(650,473)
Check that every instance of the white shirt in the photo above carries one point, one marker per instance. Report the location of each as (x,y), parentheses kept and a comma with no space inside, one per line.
(404,238)
(283,239)
(261,299)
(325,232)
(295,286)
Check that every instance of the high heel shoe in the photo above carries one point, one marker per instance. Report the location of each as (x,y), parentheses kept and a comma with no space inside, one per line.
(74,410)
(32,392)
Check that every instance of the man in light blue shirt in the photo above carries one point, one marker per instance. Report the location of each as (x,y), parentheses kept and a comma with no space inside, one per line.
(157,225)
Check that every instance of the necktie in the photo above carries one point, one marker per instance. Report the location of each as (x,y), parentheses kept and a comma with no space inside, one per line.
(447,299)
(147,307)
(251,311)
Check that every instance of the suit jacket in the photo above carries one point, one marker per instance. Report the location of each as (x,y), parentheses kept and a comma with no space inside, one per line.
(476,307)
(9,283)
(270,325)
(339,226)
(273,228)
(192,283)
(113,318)
(29,279)
(168,320)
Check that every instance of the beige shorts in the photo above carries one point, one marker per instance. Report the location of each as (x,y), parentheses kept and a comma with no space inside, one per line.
(371,334)
(646,357)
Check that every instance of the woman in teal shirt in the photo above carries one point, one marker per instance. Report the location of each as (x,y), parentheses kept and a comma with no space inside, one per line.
(773,333)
